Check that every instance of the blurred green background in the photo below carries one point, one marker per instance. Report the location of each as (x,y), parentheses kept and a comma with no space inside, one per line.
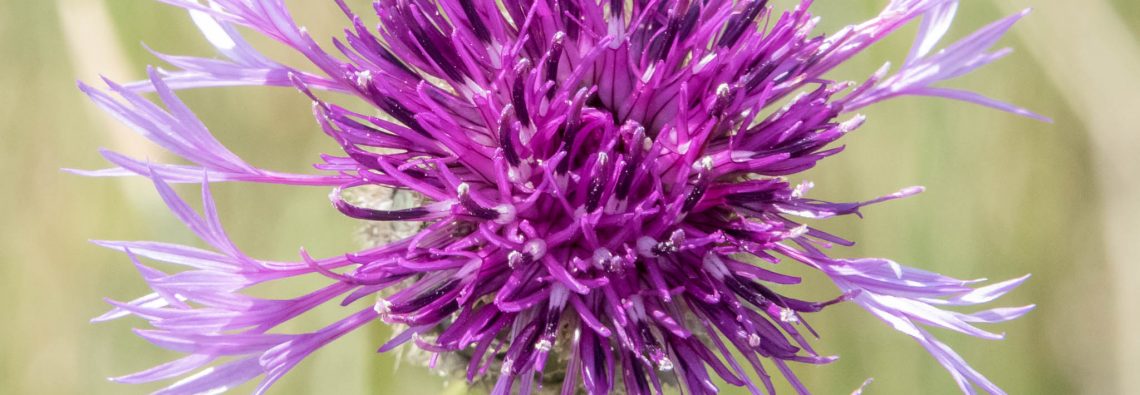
(1006,196)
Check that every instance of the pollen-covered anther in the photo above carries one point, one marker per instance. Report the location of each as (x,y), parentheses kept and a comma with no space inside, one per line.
(754,340)
(522,65)
(797,231)
(723,99)
(606,260)
(666,247)
(514,259)
(854,123)
(650,248)
(706,163)
(508,364)
(473,207)
(543,345)
(788,315)
(664,364)
(382,307)
(677,238)
(596,186)
(363,78)
(802,189)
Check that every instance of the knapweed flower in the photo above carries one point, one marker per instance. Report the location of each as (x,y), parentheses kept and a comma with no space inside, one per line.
(599,201)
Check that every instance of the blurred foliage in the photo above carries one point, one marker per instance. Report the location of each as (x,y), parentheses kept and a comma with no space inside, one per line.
(1006,196)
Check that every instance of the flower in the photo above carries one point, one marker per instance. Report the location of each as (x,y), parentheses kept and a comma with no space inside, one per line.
(600,183)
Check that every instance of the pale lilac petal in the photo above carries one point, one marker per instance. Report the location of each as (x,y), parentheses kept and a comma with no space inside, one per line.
(167,370)
(216,379)
(935,24)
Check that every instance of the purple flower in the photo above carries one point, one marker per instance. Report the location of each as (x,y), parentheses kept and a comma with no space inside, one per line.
(599,200)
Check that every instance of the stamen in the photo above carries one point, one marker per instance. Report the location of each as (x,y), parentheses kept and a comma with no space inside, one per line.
(473,207)
(410,214)
(505,140)
(382,307)
(403,114)
(518,92)
(570,129)
(724,95)
(797,231)
(668,246)
(637,151)
(476,21)
(594,193)
(690,20)
(788,315)
(739,22)
(508,364)
(657,49)
(553,58)
(699,188)
(363,78)
(514,259)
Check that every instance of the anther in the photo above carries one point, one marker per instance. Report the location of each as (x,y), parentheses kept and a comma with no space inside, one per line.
(505,140)
(788,315)
(798,231)
(382,307)
(518,92)
(514,259)
(552,60)
(473,207)
(704,168)
(723,98)
(476,21)
(672,245)
(596,187)
(363,78)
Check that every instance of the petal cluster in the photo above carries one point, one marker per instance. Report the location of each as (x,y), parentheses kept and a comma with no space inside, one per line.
(599,183)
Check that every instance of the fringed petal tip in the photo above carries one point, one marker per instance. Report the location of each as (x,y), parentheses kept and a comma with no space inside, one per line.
(867,382)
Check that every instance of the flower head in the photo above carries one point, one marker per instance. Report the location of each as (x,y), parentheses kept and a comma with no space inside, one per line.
(593,190)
